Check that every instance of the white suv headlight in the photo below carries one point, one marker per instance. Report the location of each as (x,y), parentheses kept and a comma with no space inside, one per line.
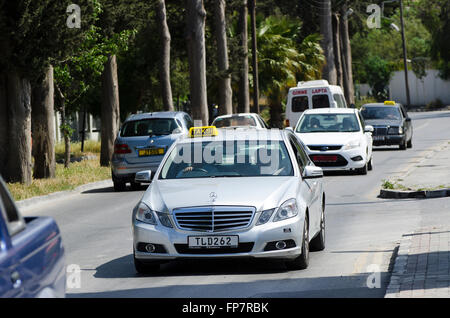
(145,214)
(287,210)
(352,144)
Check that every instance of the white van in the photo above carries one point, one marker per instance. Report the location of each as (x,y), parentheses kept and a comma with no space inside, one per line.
(312,94)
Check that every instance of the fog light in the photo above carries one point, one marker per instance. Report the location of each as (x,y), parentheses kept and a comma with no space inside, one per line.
(150,248)
(357,158)
(280,245)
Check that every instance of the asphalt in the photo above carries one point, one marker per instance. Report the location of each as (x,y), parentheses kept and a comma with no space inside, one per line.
(363,233)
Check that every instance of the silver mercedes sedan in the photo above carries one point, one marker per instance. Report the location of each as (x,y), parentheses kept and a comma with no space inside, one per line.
(222,193)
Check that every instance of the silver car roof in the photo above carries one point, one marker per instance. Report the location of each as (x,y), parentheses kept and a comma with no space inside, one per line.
(155,115)
(243,133)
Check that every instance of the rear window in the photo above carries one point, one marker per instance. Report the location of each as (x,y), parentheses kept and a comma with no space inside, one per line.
(320,101)
(148,127)
(234,121)
(299,104)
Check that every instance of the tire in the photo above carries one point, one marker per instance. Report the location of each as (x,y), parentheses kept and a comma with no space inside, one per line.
(362,170)
(144,267)
(135,186)
(369,165)
(301,261)
(403,145)
(409,144)
(119,186)
(318,243)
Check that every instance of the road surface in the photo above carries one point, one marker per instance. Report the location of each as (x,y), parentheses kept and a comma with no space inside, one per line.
(362,233)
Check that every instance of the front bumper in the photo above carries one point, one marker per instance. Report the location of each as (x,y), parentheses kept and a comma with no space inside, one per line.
(254,240)
(347,159)
(388,140)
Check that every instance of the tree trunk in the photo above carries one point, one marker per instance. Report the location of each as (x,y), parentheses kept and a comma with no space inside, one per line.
(225,92)
(244,94)
(64,126)
(329,69)
(43,127)
(337,49)
(4,131)
(18,162)
(346,52)
(164,66)
(252,8)
(110,118)
(195,36)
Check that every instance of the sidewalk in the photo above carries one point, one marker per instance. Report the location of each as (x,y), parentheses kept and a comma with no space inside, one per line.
(429,177)
(422,268)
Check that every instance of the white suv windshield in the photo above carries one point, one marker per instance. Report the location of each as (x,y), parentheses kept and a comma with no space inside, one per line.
(227,159)
(311,123)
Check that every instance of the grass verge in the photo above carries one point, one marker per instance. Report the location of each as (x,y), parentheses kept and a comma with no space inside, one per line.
(77,174)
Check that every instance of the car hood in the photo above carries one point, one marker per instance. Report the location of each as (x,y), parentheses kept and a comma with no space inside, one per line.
(382,122)
(260,192)
(329,138)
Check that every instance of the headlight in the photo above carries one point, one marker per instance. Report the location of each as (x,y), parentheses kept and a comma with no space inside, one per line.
(265,216)
(352,144)
(395,130)
(164,219)
(145,214)
(286,211)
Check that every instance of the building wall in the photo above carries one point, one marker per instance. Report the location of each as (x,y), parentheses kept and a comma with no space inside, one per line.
(92,127)
(421,91)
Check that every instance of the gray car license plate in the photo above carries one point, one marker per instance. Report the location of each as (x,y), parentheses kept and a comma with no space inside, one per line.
(378,138)
(213,241)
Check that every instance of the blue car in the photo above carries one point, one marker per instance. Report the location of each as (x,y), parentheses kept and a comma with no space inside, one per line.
(142,142)
(31,253)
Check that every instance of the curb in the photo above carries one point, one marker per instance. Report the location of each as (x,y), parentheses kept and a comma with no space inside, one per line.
(426,194)
(399,267)
(395,194)
(61,194)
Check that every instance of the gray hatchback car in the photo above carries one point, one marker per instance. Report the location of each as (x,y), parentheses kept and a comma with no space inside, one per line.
(142,142)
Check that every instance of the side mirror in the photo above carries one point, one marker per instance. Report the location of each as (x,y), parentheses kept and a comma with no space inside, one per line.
(290,129)
(143,176)
(334,104)
(352,105)
(368,128)
(177,131)
(312,172)
(408,119)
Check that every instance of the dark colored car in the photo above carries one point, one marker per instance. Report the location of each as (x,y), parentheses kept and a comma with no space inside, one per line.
(391,123)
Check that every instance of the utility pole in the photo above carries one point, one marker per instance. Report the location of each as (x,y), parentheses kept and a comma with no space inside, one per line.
(405,61)
(252,9)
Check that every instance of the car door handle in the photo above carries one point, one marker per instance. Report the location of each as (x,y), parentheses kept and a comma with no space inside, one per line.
(15,279)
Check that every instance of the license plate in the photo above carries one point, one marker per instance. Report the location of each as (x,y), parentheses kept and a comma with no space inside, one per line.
(378,138)
(213,241)
(324,158)
(151,152)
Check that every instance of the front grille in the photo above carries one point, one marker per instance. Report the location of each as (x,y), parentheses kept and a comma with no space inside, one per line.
(213,218)
(324,147)
(380,130)
(340,161)
(242,248)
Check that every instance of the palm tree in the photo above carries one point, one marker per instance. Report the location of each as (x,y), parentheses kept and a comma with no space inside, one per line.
(283,62)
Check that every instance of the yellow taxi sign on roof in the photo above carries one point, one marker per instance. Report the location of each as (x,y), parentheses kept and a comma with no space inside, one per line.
(204,131)
(389,102)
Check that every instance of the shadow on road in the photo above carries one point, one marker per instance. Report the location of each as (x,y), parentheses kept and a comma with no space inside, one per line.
(123,267)
(111,189)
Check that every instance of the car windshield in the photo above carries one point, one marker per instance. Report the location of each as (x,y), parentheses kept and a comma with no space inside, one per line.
(312,123)
(243,120)
(381,112)
(235,158)
(148,127)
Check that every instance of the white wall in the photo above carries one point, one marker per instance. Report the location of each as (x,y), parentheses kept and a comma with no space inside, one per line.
(421,92)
